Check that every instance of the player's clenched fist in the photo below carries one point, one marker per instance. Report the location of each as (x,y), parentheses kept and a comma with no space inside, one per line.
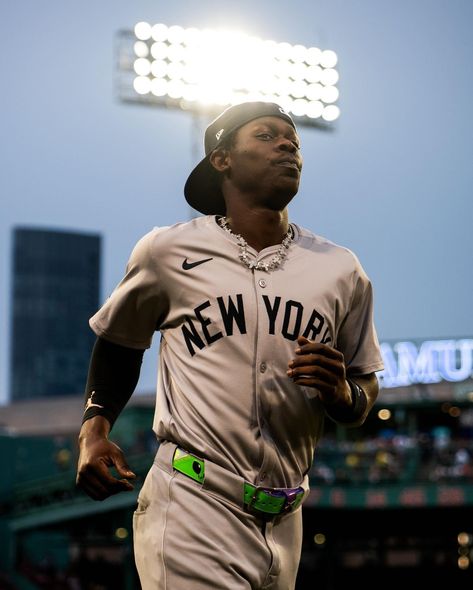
(322,367)
(97,456)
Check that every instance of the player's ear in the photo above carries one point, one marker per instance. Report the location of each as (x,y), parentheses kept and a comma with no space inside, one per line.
(219,159)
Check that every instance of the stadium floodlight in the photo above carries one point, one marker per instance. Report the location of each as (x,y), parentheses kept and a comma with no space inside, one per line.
(207,70)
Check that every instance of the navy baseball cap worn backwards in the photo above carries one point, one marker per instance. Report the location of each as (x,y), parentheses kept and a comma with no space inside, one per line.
(202,189)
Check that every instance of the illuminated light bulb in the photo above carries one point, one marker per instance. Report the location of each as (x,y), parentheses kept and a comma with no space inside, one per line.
(299,107)
(331,112)
(285,102)
(454,412)
(142,85)
(298,89)
(463,562)
(176,34)
(329,77)
(329,94)
(159,68)
(159,32)
(298,53)
(159,50)
(282,87)
(176,52)
(319,539)
(159,87)
(272,85)
(464,538)
(176,89)
(284,69)
(191,36)
(313,73)
(328,58)
(142,66)
(315,109)
(143,31)
(121,533)
(175,70)
(298,71)
(313,56)
(383,414)
(190,75)
(283,51)
(141,49)
(314,91)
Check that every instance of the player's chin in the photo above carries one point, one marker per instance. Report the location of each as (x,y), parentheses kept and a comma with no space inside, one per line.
(288,185)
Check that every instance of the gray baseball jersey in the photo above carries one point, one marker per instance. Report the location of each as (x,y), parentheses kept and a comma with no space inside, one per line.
(228,333)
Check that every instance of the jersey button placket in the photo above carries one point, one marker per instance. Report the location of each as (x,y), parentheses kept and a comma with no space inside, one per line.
(262,283)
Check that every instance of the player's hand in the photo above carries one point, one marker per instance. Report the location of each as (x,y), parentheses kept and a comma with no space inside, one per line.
(97,456)
(322,367)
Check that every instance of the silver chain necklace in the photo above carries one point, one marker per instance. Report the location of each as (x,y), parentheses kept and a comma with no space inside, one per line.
(244,255)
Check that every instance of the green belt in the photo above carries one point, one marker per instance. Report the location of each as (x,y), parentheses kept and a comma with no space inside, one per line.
(268,500)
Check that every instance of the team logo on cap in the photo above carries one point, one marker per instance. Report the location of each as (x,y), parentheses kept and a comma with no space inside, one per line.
(218,135)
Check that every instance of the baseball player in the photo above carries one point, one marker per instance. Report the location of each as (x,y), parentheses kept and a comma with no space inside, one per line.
(265,329)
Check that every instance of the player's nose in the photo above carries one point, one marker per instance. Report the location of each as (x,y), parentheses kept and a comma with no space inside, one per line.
(287,145)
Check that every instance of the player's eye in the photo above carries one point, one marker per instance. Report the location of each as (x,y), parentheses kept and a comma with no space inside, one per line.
(265,135)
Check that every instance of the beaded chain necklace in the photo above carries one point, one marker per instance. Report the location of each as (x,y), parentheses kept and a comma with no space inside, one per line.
(244,255)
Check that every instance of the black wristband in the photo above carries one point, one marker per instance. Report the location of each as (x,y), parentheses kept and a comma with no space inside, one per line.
(359,402)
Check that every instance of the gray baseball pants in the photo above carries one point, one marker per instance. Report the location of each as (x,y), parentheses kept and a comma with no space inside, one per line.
(188,536)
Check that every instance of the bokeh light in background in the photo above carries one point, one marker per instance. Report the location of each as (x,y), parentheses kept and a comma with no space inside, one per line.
(190,68)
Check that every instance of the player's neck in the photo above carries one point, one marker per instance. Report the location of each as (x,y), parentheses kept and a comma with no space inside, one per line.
(261,228)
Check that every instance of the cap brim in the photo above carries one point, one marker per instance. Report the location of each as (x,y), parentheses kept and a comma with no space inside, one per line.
(202,189)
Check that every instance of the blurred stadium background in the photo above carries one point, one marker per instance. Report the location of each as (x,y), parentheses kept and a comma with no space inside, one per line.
(393,499)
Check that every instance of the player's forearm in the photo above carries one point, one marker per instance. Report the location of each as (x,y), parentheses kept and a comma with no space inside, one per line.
(113,374)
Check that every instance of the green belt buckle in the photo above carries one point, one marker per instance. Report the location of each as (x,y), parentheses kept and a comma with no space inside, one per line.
(263,501)
(189,465)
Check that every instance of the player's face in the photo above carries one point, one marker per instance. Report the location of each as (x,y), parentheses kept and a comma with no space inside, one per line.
(265,161)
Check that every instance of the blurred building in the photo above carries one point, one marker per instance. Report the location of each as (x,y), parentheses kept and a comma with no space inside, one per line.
(56,281)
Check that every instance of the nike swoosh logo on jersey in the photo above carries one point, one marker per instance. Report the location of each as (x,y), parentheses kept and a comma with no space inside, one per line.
(188,265)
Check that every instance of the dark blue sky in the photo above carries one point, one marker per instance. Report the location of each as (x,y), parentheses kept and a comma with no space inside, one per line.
(393,183)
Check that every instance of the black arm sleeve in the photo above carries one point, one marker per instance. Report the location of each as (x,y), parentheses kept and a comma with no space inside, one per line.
(113,374)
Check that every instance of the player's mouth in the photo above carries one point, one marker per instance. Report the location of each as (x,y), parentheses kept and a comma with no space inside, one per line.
(289,163)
